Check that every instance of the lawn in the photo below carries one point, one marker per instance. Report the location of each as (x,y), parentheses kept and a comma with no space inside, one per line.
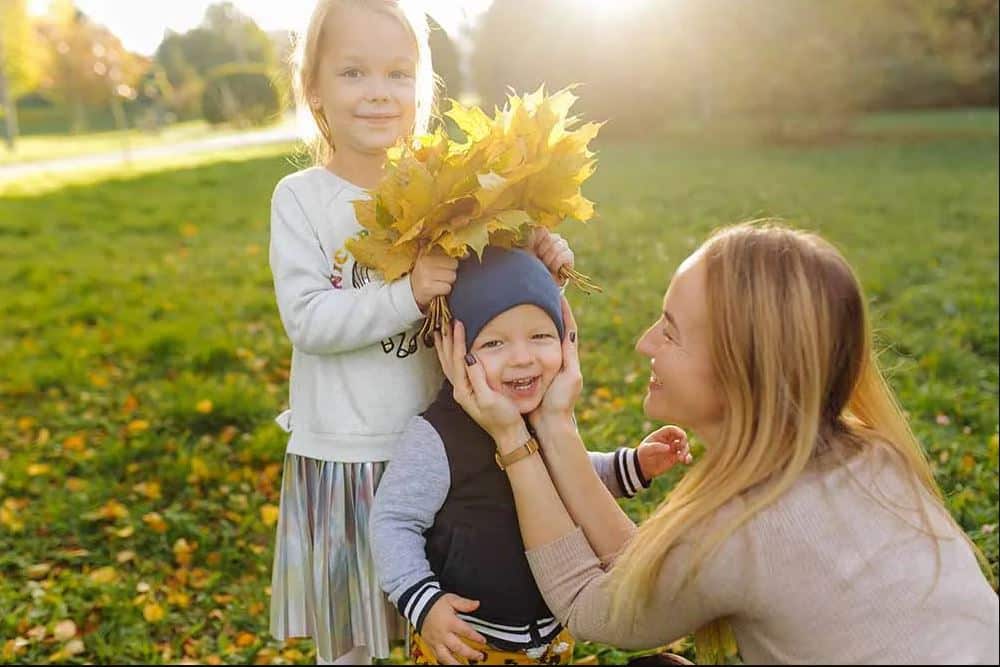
(142,361)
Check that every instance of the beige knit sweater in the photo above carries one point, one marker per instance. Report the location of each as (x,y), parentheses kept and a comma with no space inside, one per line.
(827,574)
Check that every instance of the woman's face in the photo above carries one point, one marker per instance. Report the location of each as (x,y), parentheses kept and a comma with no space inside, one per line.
(682,386)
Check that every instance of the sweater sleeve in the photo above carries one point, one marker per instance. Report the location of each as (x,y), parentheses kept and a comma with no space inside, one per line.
(318,318)
(620,471)
(579,593)
(412,490)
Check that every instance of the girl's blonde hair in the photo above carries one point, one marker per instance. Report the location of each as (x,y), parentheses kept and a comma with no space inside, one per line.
(793,356)
(308,51)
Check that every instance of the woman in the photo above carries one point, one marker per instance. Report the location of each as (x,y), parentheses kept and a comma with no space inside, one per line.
(812,525)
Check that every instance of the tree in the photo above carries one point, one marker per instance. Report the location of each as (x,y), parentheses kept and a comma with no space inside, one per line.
(89,66)
(225,36)
(20,61)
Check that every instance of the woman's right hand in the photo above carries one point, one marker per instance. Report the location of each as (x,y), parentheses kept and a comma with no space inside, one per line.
(433,275)
(557,405)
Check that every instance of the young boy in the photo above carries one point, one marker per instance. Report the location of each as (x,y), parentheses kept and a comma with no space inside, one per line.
(445,535)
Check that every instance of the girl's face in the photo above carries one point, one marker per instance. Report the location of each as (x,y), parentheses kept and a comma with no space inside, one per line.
(520,352)
(366,80)
(682,386)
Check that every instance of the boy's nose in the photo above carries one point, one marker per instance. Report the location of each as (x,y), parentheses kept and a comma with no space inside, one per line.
(520,355)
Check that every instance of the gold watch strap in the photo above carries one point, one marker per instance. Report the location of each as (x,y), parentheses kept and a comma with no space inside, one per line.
(522,452)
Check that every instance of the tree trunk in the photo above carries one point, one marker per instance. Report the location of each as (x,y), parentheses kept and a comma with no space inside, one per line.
(8,103)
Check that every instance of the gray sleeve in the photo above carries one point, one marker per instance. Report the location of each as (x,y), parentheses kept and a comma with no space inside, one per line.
(620,471)
(412,490)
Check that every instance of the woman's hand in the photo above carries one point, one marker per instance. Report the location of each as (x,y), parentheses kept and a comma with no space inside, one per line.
(553,250)
(497,414)
(560,398)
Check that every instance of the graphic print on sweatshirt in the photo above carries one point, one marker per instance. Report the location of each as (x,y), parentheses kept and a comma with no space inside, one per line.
(400,344)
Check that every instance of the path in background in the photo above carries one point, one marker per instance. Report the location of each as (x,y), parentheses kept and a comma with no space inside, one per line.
(283,133)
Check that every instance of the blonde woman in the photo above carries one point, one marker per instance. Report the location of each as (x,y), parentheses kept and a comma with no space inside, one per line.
(812,526)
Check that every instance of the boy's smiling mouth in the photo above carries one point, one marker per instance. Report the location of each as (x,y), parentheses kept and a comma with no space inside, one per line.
(523,386)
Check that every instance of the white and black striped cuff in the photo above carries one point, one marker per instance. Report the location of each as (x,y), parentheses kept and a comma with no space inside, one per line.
(418,600)
(629,472)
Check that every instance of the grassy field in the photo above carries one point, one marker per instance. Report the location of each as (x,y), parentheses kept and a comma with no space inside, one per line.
(142,361)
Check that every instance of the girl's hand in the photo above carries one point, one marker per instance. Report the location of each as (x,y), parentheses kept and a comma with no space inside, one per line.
(662,449)
(553,250)
(496,413)
(432,275)
(560,397)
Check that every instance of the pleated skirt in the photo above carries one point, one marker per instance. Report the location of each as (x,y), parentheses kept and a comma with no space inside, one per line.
(323,583)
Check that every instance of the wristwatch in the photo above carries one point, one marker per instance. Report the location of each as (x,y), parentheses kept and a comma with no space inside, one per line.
(522,452)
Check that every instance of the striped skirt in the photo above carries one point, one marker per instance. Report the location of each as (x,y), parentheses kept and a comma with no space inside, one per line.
(324,584)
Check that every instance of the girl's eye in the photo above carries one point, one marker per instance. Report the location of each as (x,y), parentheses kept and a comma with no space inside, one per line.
(543,336)
(352,73)
(490,343)
(400,74)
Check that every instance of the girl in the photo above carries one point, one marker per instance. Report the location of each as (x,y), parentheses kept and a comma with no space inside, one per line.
(359,372)
(444,524)
(812,527)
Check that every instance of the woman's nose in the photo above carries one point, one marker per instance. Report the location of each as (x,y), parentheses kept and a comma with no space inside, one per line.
(644,345)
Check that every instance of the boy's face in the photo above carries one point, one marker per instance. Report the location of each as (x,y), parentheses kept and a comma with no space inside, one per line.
(520,352)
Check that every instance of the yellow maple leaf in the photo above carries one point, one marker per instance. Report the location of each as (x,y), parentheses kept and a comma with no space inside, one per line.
(269,514)
(153,613)
(104,575)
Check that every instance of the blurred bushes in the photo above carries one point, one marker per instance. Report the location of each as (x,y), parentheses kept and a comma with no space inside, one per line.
(776,68)
(240,93)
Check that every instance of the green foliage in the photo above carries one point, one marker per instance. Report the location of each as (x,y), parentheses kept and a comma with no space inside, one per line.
(143,360)
(239,92)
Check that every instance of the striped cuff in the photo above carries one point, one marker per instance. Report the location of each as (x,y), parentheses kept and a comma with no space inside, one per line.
(629,472)
(418,600)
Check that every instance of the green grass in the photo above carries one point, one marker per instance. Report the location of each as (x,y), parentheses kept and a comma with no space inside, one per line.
(142,362)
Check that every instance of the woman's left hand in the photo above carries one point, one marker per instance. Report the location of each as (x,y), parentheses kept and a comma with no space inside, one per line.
(560,398)
(553,250)
(497,414)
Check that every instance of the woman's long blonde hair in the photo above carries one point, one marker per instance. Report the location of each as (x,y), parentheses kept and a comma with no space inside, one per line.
(308,53)
(793,356)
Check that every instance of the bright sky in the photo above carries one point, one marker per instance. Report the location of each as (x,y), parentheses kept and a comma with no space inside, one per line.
(140,24)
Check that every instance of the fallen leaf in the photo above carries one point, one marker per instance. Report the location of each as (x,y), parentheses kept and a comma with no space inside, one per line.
(64,630)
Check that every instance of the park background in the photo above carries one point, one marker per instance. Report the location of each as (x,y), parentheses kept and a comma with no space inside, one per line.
(141,355)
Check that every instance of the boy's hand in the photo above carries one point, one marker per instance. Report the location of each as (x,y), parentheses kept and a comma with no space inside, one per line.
(661,450)
(553,250)
(432,275)
(443,630)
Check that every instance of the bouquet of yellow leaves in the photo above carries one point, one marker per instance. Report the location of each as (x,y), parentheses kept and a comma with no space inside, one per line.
(520,169)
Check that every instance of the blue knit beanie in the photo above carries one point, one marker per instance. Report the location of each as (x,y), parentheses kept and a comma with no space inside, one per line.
(502,280)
